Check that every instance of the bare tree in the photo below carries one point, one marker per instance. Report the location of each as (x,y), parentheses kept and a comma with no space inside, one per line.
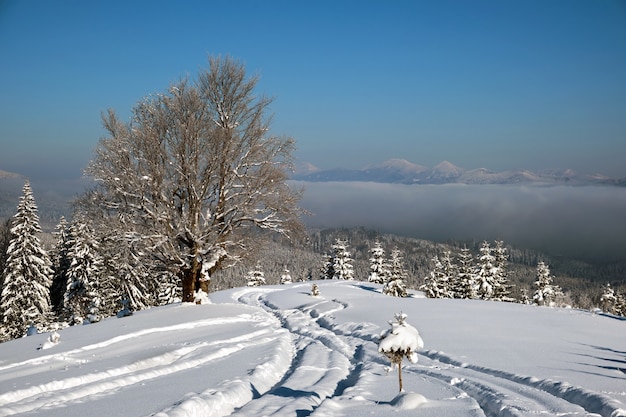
(195,174)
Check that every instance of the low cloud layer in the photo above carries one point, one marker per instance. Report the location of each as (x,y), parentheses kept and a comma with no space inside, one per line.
(588,222)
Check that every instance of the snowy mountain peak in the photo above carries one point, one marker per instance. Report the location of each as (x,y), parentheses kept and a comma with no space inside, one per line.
(447,167)
(400,165)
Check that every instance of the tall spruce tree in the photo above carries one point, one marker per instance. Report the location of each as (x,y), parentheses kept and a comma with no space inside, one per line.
(464,285)
(437,283)
(546,292)
(378,265)
(25,298)
(82,297)
(342,261)
(397,276)
(502,287)
(60,265)
(486,277)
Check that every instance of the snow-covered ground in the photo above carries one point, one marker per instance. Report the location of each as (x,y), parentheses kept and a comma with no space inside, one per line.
(277,351)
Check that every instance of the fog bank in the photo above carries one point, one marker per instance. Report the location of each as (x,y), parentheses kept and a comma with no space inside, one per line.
(585,222)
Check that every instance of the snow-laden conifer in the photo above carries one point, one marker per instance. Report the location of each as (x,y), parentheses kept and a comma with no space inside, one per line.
(487,273)
(502,288)
(327,270)
(25,297)
(378,265)
(608,299)
(256,276)
(315,290)
(546,292)
(400,341)
(397,275)
(464,284)
(342,261)
(82,297)
(60,264)
(285,278)
(437,283)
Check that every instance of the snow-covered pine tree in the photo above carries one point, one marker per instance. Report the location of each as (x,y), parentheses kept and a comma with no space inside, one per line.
(486,277)
(327,270)
(256,277)
(5,239)
(608,299)
(449,271)
(397,276)
(315,290)
(546,292)
(82,298)
(378,265)
(502,288)
(400,341)
(620,305)
(285,278)
(60,265)
(25,297)
(436,284)
(342,261)
(464,284)
(131,272)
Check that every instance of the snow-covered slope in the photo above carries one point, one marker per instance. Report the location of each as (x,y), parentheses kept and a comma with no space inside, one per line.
(277,351)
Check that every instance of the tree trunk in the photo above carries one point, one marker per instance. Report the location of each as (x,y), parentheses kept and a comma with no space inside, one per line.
(400,375)
(203,285)
(188,281)
(192,281)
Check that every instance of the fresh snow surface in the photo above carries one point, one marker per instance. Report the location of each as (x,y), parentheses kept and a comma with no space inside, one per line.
(277,351)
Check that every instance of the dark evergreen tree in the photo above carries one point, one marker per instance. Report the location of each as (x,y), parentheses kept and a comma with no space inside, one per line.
(60,265)
(82,297)
(25,298)
(327,270)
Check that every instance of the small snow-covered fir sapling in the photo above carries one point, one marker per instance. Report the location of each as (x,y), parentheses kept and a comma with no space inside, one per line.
(400,341)
(315,290)
(256,277)
(285,278)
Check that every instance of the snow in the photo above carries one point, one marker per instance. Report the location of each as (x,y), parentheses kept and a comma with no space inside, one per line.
(278,351)
(401,337)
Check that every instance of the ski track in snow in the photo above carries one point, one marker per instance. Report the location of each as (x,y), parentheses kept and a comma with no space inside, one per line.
(341,353)
(313,363)
(175,359)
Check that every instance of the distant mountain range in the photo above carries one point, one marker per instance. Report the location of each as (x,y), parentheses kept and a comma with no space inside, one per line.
(401,171)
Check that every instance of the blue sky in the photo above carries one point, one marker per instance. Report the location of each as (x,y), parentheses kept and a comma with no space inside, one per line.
(495,84)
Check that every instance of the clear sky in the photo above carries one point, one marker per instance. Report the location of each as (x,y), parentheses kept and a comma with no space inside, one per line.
(498,84)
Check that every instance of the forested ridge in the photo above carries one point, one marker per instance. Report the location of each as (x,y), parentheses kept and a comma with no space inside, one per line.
(581,280)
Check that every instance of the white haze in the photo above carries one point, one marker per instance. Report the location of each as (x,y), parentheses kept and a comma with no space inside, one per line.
(588,222)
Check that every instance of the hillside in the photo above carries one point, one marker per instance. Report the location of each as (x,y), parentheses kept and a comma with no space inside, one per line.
(277,351)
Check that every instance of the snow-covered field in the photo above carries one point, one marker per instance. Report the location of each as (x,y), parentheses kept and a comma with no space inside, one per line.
(277,351)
